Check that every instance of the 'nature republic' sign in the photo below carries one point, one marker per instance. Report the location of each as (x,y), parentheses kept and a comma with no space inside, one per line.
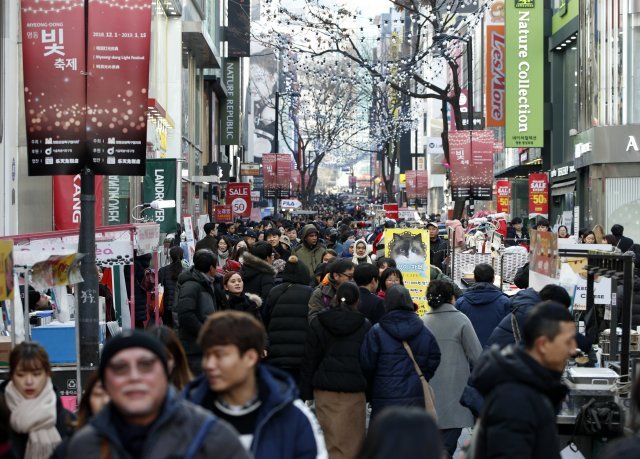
(231,109)
(524,73)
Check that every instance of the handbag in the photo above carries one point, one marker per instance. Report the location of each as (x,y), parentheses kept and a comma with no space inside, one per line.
(429,399)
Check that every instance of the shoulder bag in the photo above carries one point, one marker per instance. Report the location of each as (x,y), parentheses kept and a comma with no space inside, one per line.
(429,399)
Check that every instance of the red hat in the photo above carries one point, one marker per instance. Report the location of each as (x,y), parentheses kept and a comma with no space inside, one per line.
(232,266)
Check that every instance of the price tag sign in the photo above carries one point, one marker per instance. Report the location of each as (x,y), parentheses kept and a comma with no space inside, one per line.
(239,197)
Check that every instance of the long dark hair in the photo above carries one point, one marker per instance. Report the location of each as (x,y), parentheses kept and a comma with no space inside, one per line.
(347,297)
(84,409)
(175,268)
(386,274)
(180,374)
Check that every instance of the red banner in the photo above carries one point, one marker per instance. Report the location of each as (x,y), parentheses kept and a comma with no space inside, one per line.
(54,86)
(460,159)
(295,179)
(410,177)
(239,198)
(482,165)
(538,195)
(117,85)
(391,210)
(495,70)
(422,184)
(222,214)
(66,202)
(283,173)
(269,161)
(503,196)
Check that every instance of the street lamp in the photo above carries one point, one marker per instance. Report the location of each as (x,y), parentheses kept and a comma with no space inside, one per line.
(469,42)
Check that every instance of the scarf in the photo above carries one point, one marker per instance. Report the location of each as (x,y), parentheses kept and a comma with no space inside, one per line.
(36,417)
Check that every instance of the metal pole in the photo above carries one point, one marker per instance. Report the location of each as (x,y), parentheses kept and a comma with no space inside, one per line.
(627,283)
(470,82)
(276,139)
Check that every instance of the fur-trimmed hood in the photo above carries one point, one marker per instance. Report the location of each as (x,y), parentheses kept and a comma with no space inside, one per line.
(252,263)
(255,298)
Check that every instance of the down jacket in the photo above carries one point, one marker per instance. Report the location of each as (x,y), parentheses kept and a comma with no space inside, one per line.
(310,256)
(258,276)
(392,377)
(485,305)
(196,301)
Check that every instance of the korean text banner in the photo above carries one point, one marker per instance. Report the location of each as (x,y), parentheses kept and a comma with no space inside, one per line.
(538,195)
(422,184)
(269,161)
(54,86)
(503,194)
(524,118)
(283,172)
(66,202)
(160,184)
(410,249)
(411,184)
(460,159)
(117,85)
(481,169)
(495,70)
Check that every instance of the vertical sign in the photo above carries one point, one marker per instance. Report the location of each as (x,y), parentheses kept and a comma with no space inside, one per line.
(66,202)
(422,185)
(231,109)
(117,200)
(117,85)
(239,198)
(269,161)
(482,164)
(460,158)
(6,270)
(524,76)
(238,31)
(160,184)
(538,195)
(283,174)
(503,196)
(54,86)
(222,214)
(411,186)
(495,69)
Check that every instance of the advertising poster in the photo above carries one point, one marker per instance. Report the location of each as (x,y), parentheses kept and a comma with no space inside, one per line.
(160,184)
(422,185)
(6,270)
(495,80)
(269,161)
(117,86)
(239,198)
(544,259)
(538,195)
(53,58)
(482,165)
(460,159)
(410,249)
(410,181)
(66,202)
(283,174)
(503,196)
(391,211)
(222,214)
(524,79)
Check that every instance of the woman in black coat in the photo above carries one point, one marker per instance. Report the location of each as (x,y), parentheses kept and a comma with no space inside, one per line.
(168,278)
(236,299)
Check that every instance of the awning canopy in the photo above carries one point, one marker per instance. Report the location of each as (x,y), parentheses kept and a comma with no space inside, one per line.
(558,189)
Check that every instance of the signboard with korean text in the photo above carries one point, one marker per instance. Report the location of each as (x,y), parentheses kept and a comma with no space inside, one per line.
(410,250)
(222,214)
(239,198)
(160,184)
(250,169)
(230,118)
(391,211)
(524,78)
(538,195)
(66,202)
(460,160)
(481,168)
(269,161)
(503,196)
(422,185)
(410,183)
(53,54)
(283,174)
(117,85)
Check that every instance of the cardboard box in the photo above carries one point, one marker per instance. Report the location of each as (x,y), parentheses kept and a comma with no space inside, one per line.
(5,350)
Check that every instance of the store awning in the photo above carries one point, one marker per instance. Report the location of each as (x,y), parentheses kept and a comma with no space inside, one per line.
(521,170)
(558,189)
(196,39)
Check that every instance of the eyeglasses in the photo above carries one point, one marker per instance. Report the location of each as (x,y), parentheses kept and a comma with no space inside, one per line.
(144,366)
(348,276)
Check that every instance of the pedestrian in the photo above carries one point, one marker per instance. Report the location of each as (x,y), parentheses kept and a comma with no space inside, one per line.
(484,303)
(366,277)
(338,272)
(542,225)
(361,255)
(168,278)
(523,389)
(383,263)
(588,237)
(460,348)
(310,250)
(179,373)
(627,448)
(285,316)
(38,421)
(349,249)
(563,232)
(196,301)
(331,372)
(223,250)
(438,247)
(388,366)
(250,237)
(257,270)
(260,401)
(516,233)
(272,236)
(239,250)
(402,432)
(622,242)
(329,256)
(389,278)
(235,298)
(209,241)
(145,418)
(142,297)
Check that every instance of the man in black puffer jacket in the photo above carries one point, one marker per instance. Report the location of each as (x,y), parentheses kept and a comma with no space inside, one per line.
(285,316)
(523,388)
(257,272)
(196,301)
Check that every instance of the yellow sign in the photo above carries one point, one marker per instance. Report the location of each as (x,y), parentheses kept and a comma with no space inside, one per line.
(410,249)
(6,270)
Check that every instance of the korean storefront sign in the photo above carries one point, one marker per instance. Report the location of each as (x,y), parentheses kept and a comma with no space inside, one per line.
(503,194)
(524,73)
(66,202)
(86,113)
(538,195)
(231,108)
(410,190)
(239,197)
(471,157)
(495,70)
(160,184)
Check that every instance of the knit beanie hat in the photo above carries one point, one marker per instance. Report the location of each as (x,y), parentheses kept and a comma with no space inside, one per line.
(296,271)
(398,297)
(129,339)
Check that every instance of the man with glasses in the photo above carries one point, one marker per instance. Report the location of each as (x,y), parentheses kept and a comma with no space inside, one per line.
(145,418)
(339,271)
